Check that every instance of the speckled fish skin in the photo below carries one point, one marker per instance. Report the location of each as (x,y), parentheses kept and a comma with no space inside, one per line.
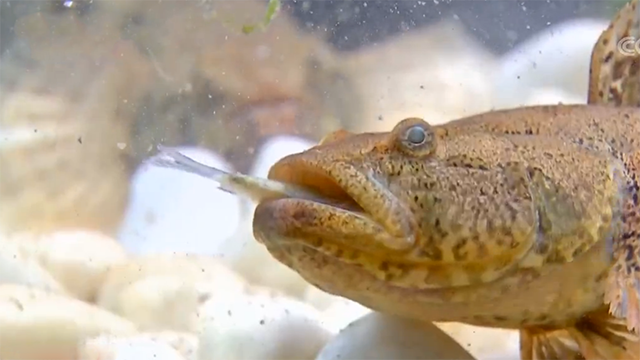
(523,218)
(86,97)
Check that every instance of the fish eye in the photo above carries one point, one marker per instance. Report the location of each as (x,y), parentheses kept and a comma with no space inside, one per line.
(416,135)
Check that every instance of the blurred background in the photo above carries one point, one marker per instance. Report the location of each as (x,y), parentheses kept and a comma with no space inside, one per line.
(89,88)
(499,25)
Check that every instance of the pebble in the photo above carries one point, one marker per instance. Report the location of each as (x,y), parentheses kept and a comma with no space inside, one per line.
(127,349)
(164,292)
(260,326)
(79,260)
(439,73)
(380,337)
(19,266)
(485,343)
(171,211)
(37,324)
(558,58)
(275,149)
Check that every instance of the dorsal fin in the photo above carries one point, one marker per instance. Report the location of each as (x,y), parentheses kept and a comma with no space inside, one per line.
(615,61)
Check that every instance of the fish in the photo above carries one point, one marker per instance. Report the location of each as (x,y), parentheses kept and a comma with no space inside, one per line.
(525,218)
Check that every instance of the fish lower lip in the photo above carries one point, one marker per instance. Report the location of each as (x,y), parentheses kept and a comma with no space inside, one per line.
(296,221)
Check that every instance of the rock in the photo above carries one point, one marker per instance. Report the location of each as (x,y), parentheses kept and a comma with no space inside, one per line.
(275,149)
(260,326)
(172,211)
(36,324)
(341,313)
(557,57)
(321,300)
(19,266)
(158,303)
(130,349)
(485,343)
(164,292)
(160,346)
(378,336)
(553,96)
(79,260)
(438,73)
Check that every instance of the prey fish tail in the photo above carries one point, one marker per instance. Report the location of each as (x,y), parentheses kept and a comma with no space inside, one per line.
(255,188)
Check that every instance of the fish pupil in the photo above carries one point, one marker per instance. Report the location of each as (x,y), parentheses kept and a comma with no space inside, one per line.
(416,135)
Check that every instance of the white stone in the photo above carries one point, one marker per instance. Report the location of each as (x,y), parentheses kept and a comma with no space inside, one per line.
(558,57)
(381,337)
(173,211)
(485,343)
(439,73)
(77,259)
(37,324)
(341,313)
(275,149)
(133,348)
(260,326)
(164,292)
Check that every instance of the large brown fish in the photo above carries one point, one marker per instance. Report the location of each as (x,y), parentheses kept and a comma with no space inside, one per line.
(526,218)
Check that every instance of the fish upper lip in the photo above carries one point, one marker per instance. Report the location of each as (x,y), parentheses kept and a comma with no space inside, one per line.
(314,176)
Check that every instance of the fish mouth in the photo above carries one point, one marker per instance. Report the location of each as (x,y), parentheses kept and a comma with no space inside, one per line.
(319,181)
(349,204)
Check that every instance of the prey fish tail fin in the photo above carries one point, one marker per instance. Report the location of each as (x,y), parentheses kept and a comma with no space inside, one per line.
(614,76)
(171,158)
(595,336)
(255,188)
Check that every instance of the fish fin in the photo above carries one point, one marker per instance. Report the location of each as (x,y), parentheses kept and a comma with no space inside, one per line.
(622,291)
(536,344)
(254,188)
(596,336)
(614,75)
(172,158)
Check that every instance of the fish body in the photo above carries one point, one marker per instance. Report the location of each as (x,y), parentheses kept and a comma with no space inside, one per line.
(524,218)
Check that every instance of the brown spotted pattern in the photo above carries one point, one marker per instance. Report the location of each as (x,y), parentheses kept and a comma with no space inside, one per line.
(523,218)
